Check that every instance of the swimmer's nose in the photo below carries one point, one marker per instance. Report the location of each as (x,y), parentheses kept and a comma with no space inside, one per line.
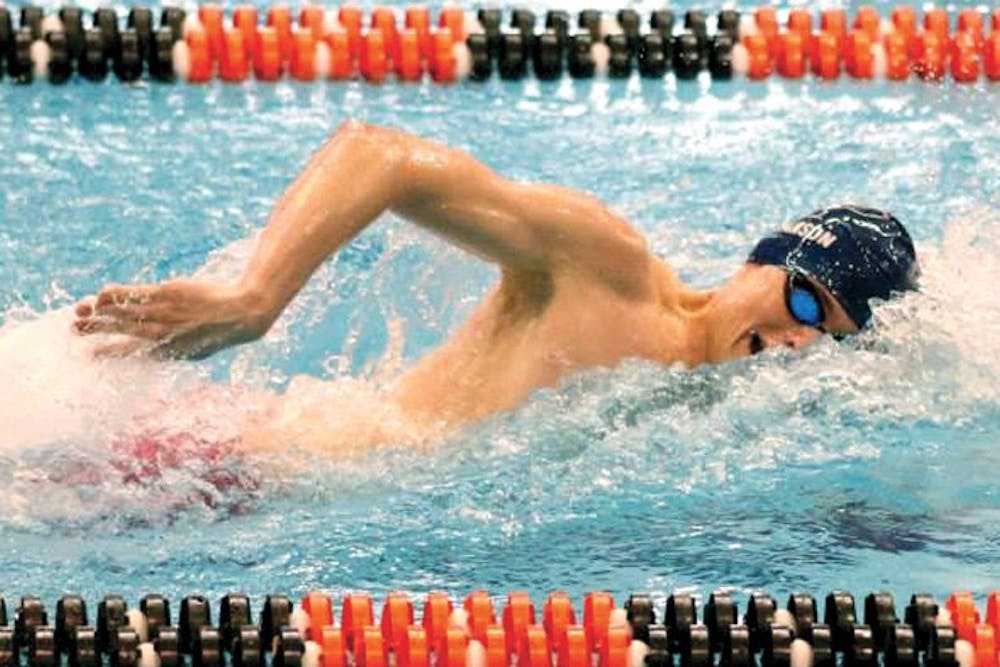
(796,337)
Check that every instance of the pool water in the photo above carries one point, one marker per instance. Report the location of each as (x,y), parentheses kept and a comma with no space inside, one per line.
(870,464)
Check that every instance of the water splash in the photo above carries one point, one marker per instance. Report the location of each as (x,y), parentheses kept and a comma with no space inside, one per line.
(928,362)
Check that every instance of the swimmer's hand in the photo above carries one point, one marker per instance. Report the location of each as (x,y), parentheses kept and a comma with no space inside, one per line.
(177,319)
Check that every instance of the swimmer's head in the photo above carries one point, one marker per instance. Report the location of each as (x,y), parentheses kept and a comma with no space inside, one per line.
(855,253)
(812,276)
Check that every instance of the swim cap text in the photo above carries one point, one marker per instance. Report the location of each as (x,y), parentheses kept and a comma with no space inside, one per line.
(809,231)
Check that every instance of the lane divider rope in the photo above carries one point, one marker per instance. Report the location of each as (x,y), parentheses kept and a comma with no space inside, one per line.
(320,44)
(641,633)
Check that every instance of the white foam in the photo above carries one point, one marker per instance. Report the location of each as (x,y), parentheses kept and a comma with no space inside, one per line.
(54,391)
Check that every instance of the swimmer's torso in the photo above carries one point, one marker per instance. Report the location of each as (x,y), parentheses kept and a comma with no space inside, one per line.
(528,333)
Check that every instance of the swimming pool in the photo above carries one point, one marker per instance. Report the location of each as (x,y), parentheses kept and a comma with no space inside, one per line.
(866,465)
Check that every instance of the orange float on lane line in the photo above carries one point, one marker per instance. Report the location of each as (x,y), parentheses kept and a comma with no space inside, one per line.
(518,614)
(437,610)
(384,19)
(597,607)
(397,617)
(374,63)
(573,648)
(351,19)
(267,61)
(341,63)
(759,52)
(868,20)
(964,615)
(414,651)
(334,652)
(303,63)
(479,607)
(791,58)
(200,54)
(233,65)
(800,22)
(859,61)
(319,606)
(408,65)
(497,654)
(418,19)
(311,18)
(834,22)
(964,59)
(453,18)
(824,56)
(245,20)
(211,18)
(897,57)
(280,19)
(358,613)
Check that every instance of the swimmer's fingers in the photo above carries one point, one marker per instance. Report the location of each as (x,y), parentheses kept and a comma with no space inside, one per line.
(115,302)
(136,312)
(130,327)
(125,295)
(84,308)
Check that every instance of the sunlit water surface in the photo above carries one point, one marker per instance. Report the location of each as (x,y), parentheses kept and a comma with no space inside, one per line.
(865,465)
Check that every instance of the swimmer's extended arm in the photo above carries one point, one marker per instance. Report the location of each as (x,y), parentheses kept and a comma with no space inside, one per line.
(357,175)
(364,170)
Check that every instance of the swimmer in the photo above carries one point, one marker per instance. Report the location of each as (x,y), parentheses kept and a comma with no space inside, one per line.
(579,286)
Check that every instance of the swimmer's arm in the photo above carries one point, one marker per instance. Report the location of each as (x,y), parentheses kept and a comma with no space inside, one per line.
(364,170)
(358,174)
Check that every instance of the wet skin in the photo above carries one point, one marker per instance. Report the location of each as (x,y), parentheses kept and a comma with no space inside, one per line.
(579,287)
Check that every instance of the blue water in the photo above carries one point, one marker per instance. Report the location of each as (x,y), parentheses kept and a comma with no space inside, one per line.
(866,465)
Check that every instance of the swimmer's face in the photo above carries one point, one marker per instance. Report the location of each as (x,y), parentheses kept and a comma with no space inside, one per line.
(763,319)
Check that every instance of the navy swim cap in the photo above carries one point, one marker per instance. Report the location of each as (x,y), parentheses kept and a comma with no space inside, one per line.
(856,253)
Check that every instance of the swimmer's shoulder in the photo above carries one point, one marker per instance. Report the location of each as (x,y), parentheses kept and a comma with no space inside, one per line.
(666,287)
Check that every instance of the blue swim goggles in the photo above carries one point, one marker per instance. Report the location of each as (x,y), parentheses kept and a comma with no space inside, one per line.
(803,301)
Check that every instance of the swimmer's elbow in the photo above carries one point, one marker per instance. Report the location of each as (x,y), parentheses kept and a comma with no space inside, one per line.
(365,144)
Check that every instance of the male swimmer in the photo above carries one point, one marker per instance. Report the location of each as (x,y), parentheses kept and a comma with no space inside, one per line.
(578,288)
